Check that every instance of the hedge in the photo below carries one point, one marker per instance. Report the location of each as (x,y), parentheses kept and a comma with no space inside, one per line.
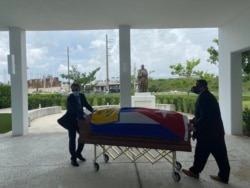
(5,96)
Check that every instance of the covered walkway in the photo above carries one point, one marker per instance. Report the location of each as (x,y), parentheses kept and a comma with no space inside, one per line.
(41,159)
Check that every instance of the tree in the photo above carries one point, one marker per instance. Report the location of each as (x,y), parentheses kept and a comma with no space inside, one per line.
(188,71)
(214,54)
(245,60)
(81,78)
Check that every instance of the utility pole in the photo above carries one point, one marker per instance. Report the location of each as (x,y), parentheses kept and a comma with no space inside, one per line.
(68,67)
(107,62)
(107,65)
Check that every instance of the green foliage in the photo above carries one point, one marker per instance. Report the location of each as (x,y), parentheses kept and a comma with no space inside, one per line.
(5,96)
(246,63)
(80,78)
(5,125)
(183,103)
(245,59)
(44,100)
(185,71)
(158,85)
(103,99)
(246,97)
(47,100)
(246,121)
(179,84)
(213,53)
(245,104)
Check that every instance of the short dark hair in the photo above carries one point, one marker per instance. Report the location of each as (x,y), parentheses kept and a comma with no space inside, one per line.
(202,83)
(75,87)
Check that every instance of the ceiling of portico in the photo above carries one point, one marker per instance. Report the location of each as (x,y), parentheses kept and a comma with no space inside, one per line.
(39,15)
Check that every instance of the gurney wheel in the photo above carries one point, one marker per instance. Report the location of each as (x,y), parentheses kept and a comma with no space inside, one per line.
(178,165)
(96,166)
(106,158)
(176,176)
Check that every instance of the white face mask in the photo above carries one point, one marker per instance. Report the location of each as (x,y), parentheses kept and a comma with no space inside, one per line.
(76,93)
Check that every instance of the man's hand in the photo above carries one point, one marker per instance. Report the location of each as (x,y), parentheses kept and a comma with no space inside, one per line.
(191,127)
(191,121)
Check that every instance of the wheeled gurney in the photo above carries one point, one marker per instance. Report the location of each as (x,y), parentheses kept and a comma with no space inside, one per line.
(137,133)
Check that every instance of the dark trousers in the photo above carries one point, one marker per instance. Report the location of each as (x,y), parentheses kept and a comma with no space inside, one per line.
(72,143)
(218,150)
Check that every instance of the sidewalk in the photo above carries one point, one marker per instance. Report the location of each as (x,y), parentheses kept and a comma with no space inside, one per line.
(41,159)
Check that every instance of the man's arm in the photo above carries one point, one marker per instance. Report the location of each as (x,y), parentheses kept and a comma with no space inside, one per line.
(85,103)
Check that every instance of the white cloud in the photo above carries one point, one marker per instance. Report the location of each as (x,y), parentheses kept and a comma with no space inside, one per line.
(4,51)
(97,43)
(156,49)
(62,69)
(35,55)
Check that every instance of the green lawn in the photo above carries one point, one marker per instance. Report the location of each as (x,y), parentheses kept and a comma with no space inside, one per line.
(5,123)
(245,104)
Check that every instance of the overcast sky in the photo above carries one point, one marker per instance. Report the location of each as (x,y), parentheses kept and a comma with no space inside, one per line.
(156,49)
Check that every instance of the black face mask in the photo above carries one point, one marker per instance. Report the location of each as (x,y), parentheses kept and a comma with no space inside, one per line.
(196,89)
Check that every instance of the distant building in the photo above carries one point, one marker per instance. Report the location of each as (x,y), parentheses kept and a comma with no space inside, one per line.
(100,86)
(46,82)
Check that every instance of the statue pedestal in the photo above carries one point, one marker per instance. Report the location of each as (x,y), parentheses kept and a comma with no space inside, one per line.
(144,99)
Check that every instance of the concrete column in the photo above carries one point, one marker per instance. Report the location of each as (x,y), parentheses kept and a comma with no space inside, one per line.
(233,39)
(230,92)
(125,66)
(19,97)
(236,94)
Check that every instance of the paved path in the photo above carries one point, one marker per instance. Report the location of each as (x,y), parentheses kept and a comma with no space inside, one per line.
(5,110)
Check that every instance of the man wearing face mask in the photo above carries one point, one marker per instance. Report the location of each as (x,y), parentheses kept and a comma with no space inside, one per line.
(75,103)
(208,130)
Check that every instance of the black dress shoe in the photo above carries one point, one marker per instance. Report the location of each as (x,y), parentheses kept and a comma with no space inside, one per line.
(80,157)
(217,178)
(74,163)
(190,174)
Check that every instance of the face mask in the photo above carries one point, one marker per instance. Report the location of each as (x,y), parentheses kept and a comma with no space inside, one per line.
(196,89)
(76,93)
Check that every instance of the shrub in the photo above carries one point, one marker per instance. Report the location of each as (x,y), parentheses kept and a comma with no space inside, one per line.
(246,121)
(44,100)
(183,103)
(5,96)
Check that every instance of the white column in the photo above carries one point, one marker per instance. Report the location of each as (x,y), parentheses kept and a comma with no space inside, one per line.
(233,39)
(125,66)
(19,98)
(230,92)
(236,94)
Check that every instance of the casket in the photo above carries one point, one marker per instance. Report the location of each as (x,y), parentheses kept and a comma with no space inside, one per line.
(140,122)
(135,133)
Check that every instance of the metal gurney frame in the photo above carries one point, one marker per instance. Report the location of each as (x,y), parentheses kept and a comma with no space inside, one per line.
(134,148)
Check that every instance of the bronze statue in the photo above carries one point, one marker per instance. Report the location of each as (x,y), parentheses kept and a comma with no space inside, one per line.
(143,79)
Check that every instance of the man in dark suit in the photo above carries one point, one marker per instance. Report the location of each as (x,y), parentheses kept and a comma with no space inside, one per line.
(75,103)
(208,130)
